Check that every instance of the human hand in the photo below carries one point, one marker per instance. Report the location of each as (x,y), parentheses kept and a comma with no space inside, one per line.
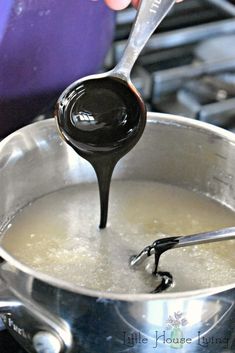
(121,4)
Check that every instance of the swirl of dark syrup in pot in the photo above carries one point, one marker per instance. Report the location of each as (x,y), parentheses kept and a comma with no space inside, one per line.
(160,246)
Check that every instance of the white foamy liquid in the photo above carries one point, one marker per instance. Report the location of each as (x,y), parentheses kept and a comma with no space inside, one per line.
(58,235)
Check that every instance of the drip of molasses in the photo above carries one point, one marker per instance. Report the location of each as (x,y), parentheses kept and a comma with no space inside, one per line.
(102,119)
(160,246)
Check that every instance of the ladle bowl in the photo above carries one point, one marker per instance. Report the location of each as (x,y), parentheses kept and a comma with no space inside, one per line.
(101,115)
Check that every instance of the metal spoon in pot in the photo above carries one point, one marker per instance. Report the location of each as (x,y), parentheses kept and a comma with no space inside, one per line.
(161,245)
(103,116)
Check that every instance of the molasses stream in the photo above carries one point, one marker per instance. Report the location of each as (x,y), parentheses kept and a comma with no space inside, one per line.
(162,245)
(103,116)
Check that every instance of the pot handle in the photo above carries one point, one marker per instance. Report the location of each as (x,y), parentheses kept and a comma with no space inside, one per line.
(52,335)
(6,302)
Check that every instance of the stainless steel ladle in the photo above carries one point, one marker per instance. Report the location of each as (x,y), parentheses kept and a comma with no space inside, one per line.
(103,116)
(164,244)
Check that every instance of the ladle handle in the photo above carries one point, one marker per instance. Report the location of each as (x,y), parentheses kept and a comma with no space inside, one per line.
(208,237)
(149,16)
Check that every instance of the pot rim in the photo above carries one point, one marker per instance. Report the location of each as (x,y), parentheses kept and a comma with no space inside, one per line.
(157,118)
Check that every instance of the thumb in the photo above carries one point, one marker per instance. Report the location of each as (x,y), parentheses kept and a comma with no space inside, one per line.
(117,4)
(135,3)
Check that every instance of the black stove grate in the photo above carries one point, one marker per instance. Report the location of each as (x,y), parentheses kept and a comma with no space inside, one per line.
(179,58)
(185,14)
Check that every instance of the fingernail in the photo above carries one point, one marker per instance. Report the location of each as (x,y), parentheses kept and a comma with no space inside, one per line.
(117,4)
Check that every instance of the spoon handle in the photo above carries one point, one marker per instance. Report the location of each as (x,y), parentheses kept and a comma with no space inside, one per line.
(208,237)
(149,16)
(164,244)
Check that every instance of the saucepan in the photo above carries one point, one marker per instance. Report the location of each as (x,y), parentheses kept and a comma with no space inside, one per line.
(48,315)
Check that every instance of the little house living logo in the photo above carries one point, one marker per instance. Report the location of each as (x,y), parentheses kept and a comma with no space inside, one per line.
(174,337)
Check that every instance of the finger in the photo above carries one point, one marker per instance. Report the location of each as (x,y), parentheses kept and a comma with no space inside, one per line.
(135,3)
(117,4)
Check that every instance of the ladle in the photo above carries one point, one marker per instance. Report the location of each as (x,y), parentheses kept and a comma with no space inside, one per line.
(103,116)
(164,244)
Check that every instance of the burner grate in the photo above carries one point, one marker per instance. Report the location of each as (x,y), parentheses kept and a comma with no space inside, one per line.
(184,14)
(178,59)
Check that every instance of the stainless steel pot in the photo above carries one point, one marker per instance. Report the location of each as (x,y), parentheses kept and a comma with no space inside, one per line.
(49,316)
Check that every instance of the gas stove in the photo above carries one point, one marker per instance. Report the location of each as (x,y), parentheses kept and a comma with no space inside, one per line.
(187,68)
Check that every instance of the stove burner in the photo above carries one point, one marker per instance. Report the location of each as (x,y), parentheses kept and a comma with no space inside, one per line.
(188,66)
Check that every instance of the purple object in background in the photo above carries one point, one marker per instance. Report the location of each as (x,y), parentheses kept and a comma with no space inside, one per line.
(5,9)
(44,46)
